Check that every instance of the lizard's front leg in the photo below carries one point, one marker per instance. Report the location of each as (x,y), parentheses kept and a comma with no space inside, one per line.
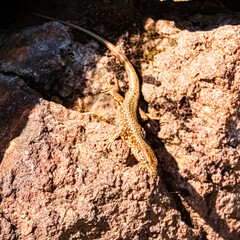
(110,140)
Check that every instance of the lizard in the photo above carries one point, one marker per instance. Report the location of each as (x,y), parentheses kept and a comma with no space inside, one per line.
(129,128)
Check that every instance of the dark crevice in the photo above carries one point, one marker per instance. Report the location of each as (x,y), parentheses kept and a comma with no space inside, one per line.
(29,82)
(13,227)
(179,205)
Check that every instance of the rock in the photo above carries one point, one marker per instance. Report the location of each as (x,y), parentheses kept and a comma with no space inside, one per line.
(57,181)
(197,99)
(16,103)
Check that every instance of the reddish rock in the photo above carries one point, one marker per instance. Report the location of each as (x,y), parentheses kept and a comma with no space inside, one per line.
(198,102)
(57,181)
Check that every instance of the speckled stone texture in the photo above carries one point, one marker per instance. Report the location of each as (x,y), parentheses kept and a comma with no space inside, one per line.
(57,181)
(198,73)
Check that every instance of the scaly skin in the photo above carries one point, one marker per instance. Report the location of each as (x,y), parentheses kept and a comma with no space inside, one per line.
(130,130)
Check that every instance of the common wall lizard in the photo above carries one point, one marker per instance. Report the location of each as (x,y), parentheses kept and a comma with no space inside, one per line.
(129,128)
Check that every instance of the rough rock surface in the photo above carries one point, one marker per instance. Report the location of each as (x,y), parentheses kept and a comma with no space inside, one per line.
(56,179)
(57,182)
(198,74)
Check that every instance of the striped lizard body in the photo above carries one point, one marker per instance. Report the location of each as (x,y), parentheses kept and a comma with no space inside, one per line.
(129,128)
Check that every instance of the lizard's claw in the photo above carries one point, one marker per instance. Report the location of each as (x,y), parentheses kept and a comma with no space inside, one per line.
(108,142)
(153,117)
(107,88)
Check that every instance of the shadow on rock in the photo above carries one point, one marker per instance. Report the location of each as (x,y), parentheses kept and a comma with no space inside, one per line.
(16,102)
